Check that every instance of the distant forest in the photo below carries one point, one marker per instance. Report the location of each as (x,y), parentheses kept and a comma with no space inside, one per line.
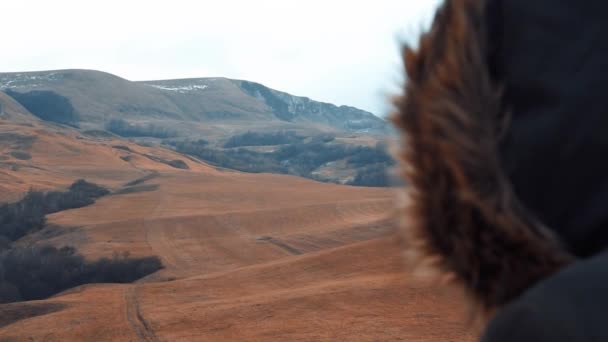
(29,272)
(262,139)
(294,155)
(129,130)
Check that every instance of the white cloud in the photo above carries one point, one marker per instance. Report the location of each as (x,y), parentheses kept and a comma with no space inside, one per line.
(337,51)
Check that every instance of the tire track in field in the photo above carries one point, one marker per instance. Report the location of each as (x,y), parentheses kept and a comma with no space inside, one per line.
(138,323)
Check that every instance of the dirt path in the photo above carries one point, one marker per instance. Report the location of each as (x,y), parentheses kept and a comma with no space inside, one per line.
(156,236)
(136,320)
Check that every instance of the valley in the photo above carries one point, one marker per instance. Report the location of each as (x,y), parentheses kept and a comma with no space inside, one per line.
(204,116)
(246,256)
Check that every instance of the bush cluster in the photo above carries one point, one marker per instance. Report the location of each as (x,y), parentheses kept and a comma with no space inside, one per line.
(38,272)
(129,130)
(294,156)
(28,215)
(263,139)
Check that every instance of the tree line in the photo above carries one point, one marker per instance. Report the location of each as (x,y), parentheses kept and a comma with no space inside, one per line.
(29,272)
(294,155)
(130,130)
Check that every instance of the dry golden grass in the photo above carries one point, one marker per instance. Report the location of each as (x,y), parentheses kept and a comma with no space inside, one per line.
(248,257)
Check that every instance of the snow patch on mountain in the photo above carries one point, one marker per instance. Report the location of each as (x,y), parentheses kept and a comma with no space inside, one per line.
(25,80)
(180,89)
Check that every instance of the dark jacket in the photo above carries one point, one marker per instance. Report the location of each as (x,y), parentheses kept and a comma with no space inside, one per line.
(552,57)
(505,120)
(569,306)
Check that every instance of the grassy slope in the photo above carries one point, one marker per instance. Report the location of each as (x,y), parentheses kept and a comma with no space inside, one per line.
(248,256)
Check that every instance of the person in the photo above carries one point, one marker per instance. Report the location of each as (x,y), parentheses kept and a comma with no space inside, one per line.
(505,136)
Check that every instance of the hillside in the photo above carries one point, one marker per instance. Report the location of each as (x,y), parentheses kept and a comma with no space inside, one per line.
(225,99)
(180,114)
(12,111)
(99,97)
(247,256)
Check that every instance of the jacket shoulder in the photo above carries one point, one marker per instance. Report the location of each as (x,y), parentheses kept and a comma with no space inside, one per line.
(569,306)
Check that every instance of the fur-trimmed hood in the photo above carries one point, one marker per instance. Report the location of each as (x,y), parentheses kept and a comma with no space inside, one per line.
(465,219)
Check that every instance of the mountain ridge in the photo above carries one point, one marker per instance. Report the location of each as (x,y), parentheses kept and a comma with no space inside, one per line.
(236,124)
(100,96)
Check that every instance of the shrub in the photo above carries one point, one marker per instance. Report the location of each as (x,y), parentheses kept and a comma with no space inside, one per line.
(28,215)
(21,155)
(37,272)
(126,129)
(262,139)
(18,219)
(365,156)
(239,159)
(122,147)
(374,175)
(87,189)
(296,158)
(178,164)
(99,134)
(175,143)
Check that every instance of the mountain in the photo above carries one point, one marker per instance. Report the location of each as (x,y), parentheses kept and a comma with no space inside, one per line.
(235,124)
(223,99)
(35,154)
(188,105)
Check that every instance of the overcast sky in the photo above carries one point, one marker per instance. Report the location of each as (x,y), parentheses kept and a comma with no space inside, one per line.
(338,51)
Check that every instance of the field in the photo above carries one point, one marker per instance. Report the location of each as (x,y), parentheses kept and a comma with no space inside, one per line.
(248,257)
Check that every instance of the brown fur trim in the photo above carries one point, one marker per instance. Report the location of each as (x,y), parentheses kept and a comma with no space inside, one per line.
(464,218)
